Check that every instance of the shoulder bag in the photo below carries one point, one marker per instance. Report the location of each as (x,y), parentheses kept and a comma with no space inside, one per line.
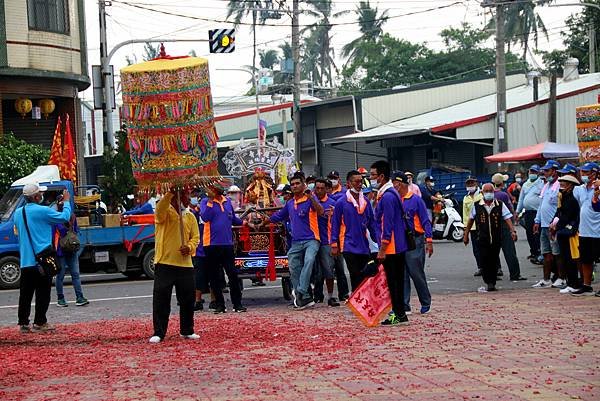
(70,242)
(47,257)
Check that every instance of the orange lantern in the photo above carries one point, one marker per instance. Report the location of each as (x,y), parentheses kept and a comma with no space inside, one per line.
(23,106)
(46,106)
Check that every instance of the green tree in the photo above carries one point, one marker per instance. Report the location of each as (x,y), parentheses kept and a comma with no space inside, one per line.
(370,23)
(318,42)
(268,58)
(18,159)
(523,23)
(117,181)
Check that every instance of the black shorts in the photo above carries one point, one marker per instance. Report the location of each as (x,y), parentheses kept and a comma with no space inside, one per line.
(201,276)
(589,250)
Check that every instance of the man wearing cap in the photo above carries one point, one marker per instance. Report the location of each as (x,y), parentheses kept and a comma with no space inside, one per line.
(40,220)
(529,203)
(416,216)
(302,211)
(234,193)
(508,244)
(588,197)
(412,187)
(336,185)
(473,196)
(352,218)
(543,218)
(218,215)
(491,214)
(428,195)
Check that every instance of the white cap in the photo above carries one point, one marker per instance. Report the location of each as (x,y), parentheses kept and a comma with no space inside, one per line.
(233,188)
(32,189)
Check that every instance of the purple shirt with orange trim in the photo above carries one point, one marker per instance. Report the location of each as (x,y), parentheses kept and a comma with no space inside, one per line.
(196,212)
(325,220)
(415,208)
(389,218)
(336,194)
(349,227)
(218,217)
(303,219)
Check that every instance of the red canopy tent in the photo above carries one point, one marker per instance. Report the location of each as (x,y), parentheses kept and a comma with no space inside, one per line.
(544,150)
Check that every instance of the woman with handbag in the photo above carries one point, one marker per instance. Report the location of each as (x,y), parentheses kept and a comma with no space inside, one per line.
(68,251)
(565,228)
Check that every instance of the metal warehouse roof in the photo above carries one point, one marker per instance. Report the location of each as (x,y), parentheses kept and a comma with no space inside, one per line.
(471,112)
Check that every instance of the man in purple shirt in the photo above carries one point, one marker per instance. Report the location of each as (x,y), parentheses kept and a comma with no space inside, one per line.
(508,245)
(302,211)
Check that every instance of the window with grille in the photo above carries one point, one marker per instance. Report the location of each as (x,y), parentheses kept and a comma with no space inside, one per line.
(48,15)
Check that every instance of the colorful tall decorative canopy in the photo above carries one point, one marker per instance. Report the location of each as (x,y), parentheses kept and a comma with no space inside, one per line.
(167,107)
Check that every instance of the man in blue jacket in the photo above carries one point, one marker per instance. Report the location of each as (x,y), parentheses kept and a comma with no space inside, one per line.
(40,220)
(218,216)
(352,216)
(393,243)
(416,216)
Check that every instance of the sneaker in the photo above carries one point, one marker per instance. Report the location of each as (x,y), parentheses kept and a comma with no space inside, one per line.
(81,301)
(585,290)
(198,306)
(212,306)
(542,284)
(482,290)
(425,310)
(42,327)
(62,302)
(567,290)
(333,302)
(559,283)
(304,303)
(478,273)
(155,340)
(538,261)
(319,300)
(395,320)
(240,309)
(193,336)
(598,293)
(219,309)
(520,278)
(24,328)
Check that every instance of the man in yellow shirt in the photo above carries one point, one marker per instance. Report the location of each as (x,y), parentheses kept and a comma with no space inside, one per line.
(473,196)
(173,265)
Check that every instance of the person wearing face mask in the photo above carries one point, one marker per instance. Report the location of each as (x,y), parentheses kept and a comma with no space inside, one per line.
(175,245)
(428,195)
(527,206)
(234,193)
(473,196)
(564,228)
(587,195)
(514,189)
(412,187)
(393,242)
(35,235)
(310,182)
(219,217)
(544,216)
(336,185)
(352,217)
(491,215)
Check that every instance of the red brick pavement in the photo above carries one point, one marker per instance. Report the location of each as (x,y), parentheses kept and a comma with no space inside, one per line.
(513,345)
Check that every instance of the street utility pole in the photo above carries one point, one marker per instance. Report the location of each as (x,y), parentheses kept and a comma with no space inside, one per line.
(296,86)
(107,128)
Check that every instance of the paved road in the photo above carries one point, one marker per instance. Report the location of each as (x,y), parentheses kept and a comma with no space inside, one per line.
(450,270)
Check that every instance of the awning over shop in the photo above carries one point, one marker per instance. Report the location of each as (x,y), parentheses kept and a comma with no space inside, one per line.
(544,150)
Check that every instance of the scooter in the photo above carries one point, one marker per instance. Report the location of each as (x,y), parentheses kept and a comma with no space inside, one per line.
(449,225)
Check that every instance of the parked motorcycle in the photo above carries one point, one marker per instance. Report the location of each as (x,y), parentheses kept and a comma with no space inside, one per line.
(448,223)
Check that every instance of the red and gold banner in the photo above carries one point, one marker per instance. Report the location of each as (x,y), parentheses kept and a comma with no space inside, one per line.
(371,301)
(588,133)
(167,107)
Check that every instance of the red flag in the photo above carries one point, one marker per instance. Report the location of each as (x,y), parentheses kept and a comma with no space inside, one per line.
(270,270)
(371,301)
(69,157)
(56,151)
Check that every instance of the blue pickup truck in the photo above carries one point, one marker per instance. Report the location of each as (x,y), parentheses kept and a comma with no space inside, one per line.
(128,249)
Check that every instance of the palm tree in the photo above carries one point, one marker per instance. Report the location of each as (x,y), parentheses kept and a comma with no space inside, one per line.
(268,58)
(522,22)
(239,9)
(318,42)
(370,23)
